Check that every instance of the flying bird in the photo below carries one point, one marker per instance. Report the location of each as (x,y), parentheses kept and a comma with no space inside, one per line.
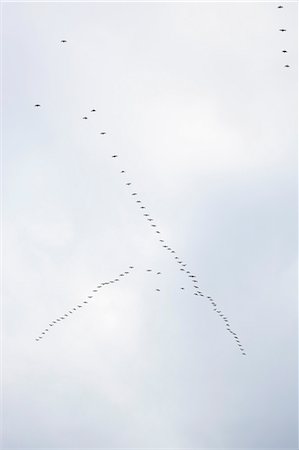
(63,40)
(114,156)
(280,6)
(128,184)
(284,51)
(103,132)
(122,171)
(282,29)
(93,110)
(286,65)
(85,118)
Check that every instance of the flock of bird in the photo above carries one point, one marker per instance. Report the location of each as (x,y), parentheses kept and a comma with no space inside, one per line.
(283,30)
(181,264)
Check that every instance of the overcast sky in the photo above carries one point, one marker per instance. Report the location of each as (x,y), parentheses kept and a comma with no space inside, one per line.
(202,113)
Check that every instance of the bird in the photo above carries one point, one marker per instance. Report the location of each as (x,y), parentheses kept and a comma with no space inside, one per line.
(114,156)
(158,273)
(93,110)
(158,290)
(63,40)
(182,288)
(134,193)
(85,118)
(282,29)
(146,215)
(37,105)
(131,267)
(128,184)
(89,296)
(142,207)
(79,306)
(286,65)
(122,171)
(280,6)
(103,132)
(148,270)
(138,201)
(284,51)
(94,290)
(85,302)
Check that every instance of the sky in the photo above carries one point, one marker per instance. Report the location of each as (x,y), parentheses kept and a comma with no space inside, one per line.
(197,104)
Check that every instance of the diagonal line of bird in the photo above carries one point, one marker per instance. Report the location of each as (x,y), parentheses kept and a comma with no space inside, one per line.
(77,308)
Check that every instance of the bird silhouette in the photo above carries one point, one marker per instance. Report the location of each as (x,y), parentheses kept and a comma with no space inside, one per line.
(103,132)
(93,110)
(37,105)
(63,40)
(114,156)
(284,51)
(286,65)
(85,118)
(282,29)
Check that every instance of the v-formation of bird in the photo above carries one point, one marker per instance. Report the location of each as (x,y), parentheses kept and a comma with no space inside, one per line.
(182,266)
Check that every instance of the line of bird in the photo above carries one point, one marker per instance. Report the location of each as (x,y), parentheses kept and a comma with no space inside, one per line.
(77,308)
(283,30)
(182,266)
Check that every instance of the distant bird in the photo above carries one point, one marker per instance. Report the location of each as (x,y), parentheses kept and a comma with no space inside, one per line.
(280,6)
(114,156)
(93,110)
(131,267)
(63,40)
(138,201)
(146,215)
(286,65)
(79,306)
(37,105)
(142,207)
(94,290)
(126,273)
(158,273)
(103,132)
(89,296)
(158,290)
(134,193)
(85,302)
(122,171)
(183,289)
(85,118)
(282,29)
(121,275)
(128,184)
(284,51)
(157,231)
(148,270)
(51,325)
(161,240)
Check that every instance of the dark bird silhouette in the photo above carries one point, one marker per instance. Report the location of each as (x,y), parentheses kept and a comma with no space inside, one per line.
(284,51)
(103,132)
(85,118)
(158,290)
(128,184)
(138,201)
(158,273)
(148,270)
(122,171)
(183,289)
(280,6)
(286,65)
(131,267)
(93,110)
(63,40)
(85,302)
(114,156)
(134,193)
(282,29)
(37,105)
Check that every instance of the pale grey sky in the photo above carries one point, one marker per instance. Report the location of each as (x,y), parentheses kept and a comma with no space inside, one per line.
(197,104)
